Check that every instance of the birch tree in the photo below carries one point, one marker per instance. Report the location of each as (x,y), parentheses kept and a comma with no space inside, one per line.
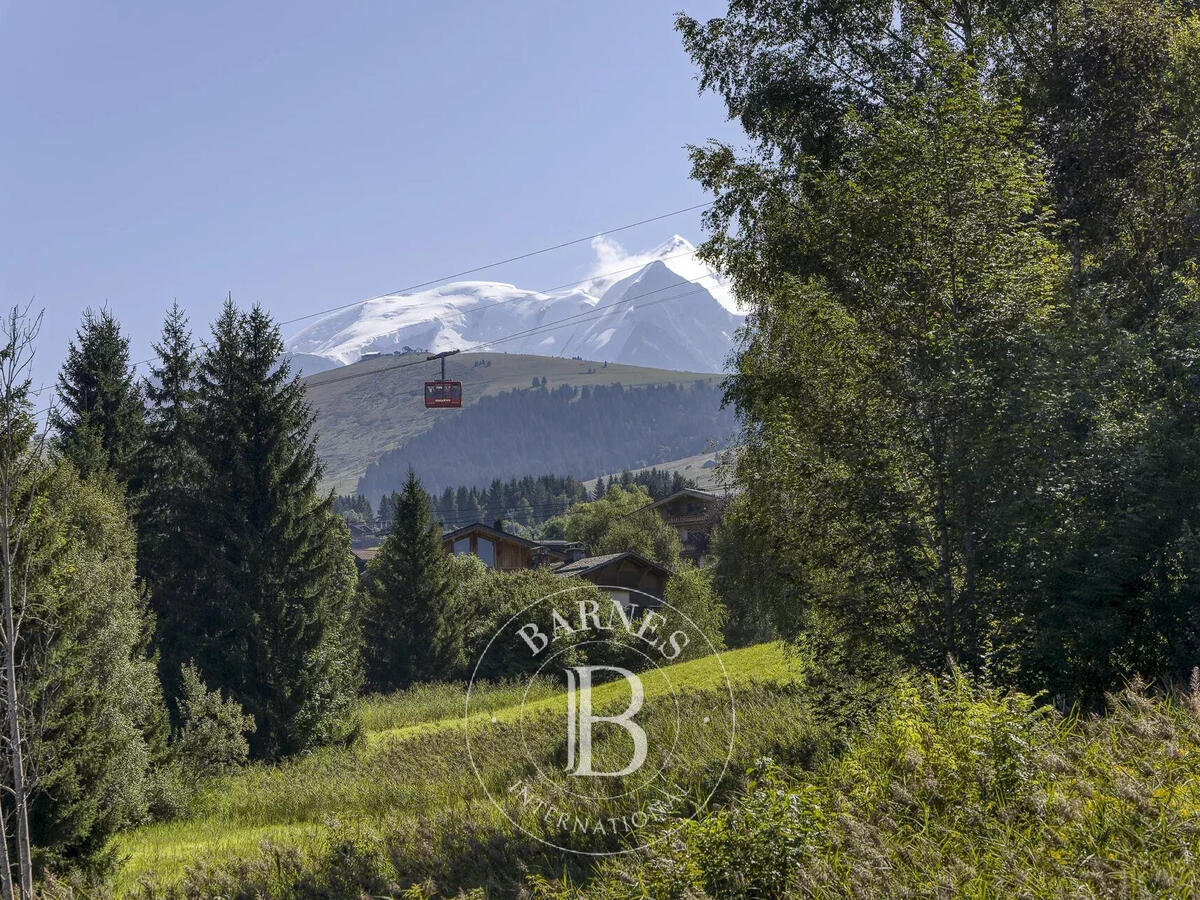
(22,457)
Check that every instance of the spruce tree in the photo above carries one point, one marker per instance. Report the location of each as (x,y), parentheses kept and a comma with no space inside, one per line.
(410,633)
(99,419)
(168,472)
(269,618)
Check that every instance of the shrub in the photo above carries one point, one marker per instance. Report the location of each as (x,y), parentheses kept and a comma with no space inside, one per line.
(212,733)
(956,790)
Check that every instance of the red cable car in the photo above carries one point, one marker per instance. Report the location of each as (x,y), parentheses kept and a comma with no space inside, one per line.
(443,394)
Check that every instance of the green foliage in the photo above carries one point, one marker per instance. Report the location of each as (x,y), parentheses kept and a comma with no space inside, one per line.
(690,592)
(745,577)
(355,507)
(268,617)
(405,811)
(99,419)
(523,501)
(94,718)
(968,387)
(443,701)
(212,733)
(960,789)
(487,599)
(169,470)
(410,633)
(618,522)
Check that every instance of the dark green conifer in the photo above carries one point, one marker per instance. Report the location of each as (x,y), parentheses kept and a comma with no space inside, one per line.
(99,418)
(168,473)
(409,630)
(273,579)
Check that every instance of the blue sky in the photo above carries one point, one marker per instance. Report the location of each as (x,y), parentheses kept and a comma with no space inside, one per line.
(306,154)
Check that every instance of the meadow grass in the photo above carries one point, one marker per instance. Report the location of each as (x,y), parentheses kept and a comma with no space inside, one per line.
(412,765)
(952,789)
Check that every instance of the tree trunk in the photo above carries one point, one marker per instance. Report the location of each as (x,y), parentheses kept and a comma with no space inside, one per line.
(24,855)
(6,883)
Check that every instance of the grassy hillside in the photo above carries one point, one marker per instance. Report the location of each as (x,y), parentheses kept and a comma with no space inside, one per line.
(570,431)
(703,468)
(950,788)
(412,766)
(358,419)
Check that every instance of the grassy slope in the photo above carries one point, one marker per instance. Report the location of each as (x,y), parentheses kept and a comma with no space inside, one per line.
(359,419)
(700,468)
(295,803)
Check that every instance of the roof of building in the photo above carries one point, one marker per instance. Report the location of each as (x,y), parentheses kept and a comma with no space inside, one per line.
(489,530)
(685,492)
(592,563)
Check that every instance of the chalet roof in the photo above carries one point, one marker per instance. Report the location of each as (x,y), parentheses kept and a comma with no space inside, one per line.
(479,527)
(592,563)
(362,556)
(685,492)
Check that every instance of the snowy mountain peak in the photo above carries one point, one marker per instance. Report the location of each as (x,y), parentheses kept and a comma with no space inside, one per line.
(663,308)
(673,246)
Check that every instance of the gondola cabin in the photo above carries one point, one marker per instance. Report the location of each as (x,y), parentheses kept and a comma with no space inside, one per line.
(443,394)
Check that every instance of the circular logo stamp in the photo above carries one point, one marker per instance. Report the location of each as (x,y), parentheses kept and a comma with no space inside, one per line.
(626,720)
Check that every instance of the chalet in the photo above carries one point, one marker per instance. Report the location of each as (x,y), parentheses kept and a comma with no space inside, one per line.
(625,577)
(364,536)
(507,552)
(362,556)
(691,513)
(620,575)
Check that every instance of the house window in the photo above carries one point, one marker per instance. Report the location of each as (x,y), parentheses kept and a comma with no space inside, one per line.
(462,545)
(621,597)
(486,551)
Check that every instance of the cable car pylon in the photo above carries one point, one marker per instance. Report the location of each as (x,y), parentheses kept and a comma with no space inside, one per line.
(443,394)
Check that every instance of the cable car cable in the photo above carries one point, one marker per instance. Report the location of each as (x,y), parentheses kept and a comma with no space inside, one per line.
(541,329)
(530,332)
(481,307)
(502,262)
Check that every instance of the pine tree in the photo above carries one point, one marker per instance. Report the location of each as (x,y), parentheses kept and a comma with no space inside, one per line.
(99,421)
(271,604)
(409,631)
(168,472)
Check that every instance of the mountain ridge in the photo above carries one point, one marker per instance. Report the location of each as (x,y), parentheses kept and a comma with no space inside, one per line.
(665,308)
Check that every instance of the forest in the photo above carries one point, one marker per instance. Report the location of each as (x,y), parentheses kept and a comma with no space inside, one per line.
(578,432)
(521,503)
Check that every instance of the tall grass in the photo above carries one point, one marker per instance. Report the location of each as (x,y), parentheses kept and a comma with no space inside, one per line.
(412,777)
(428,704)
(955,790)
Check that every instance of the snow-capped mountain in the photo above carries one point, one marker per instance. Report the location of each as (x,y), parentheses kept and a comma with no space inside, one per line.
(664,308)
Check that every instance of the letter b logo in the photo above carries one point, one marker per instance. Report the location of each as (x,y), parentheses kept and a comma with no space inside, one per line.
(580,720)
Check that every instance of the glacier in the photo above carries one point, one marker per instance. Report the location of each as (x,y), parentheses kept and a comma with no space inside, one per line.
(664,308)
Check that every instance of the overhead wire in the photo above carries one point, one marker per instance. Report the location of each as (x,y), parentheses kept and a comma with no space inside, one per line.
(544,328)
(502,262)
(493,264)
(480,268)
